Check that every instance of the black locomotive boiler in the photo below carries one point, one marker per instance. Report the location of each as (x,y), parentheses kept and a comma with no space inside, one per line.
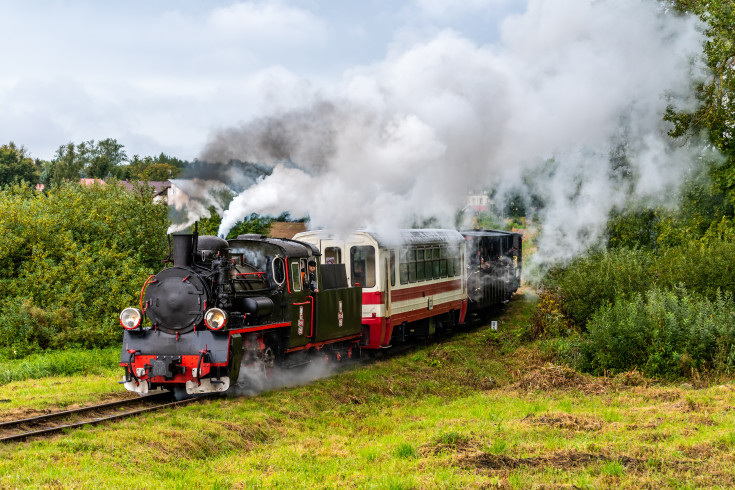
(227,303)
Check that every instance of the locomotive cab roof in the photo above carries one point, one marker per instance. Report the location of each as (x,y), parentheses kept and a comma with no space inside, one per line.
(275,246)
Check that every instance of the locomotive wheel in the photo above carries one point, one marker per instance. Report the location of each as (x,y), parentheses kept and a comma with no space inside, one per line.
(269,362)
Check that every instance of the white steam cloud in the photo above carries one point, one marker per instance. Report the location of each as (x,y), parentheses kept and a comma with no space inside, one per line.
(570,84)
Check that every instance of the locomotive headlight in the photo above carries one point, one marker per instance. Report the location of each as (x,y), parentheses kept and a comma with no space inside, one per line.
(215,319)
(130,318)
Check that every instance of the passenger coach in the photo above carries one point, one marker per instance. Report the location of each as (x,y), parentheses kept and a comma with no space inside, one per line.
(412,283)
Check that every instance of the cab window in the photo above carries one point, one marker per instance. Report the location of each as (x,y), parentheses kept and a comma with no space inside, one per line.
(295,276)
(279,271)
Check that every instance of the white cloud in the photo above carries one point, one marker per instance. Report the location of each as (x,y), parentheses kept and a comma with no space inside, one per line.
(441,9)
(266,22)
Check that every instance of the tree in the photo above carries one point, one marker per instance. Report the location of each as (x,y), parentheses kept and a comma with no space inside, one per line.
(715,117)
(102,159)
(87,159)
(16,166)
(162,167)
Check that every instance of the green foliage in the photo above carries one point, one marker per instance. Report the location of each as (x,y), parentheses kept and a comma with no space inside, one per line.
(662,333)
(715,116)
(597,279)
(549,320)
(255,224)
(634,228)
(703,268)
(162,167)
(591,282)
(88,159)
(70,260)
(16,166)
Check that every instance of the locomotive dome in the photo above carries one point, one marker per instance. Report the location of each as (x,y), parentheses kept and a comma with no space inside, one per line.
(209,246)
(213,243)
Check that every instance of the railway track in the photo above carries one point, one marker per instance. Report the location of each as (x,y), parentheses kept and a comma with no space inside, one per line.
(47,424)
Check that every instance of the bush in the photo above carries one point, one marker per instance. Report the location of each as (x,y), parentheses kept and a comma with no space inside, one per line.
(70,260)
(700,267)
(591,282)
(549,321)
(662,333)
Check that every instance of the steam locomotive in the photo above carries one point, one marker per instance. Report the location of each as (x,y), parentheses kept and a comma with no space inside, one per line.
(251,301)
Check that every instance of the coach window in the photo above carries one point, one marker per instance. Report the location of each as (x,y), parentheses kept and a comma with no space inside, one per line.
(412,265)
(403,266)
(362,264)
(392,267)
(333,255)
(295,276)
(420,269)
(443,262)
(437,267)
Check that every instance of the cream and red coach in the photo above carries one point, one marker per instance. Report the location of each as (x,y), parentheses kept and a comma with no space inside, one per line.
(413,281)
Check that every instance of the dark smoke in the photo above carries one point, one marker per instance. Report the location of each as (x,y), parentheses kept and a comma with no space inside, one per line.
(305,135)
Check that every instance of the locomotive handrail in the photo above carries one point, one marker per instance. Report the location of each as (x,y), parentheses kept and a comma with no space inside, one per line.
(142,291)
(288,280)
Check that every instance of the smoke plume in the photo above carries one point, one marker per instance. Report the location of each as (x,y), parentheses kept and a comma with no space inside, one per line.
(572,92)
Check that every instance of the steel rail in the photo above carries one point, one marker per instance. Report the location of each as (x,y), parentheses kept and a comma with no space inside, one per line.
(91,408)
(57,428)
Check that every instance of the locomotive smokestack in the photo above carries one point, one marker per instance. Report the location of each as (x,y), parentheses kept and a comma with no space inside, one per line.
(184,249)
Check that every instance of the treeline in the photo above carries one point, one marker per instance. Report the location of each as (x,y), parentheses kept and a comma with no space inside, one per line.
(105,159)
(658,297)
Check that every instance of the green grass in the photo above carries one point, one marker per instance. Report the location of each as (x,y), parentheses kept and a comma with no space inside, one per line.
(60,363)
(427,419)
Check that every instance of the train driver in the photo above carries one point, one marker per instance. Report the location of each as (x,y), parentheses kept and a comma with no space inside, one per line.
(311,277)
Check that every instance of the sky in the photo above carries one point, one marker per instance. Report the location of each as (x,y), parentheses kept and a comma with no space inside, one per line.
(370,114)
(163,76)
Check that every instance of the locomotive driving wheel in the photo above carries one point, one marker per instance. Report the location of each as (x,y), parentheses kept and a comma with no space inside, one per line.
(268,361)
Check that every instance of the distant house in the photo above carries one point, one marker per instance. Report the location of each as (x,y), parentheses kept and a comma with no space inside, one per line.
(89,182)
(477,203)
(161,188)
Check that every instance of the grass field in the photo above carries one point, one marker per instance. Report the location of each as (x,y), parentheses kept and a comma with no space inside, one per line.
(483,409)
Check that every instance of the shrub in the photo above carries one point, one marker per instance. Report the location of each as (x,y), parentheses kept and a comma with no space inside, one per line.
(662,333)
(549,321)
(70,260)
(591,282)
(700,267)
